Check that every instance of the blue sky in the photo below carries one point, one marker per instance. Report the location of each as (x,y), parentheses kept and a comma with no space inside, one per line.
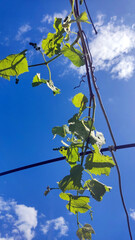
(28,115)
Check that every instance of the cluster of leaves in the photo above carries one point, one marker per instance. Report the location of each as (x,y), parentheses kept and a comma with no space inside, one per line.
(80,134)
(53,46)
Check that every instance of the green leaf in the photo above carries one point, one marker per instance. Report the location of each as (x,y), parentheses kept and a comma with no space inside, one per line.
(99,164)
(71,153)
(37,81)
(97,189)
(85,232)
(74,118)
(74,55)
(72,181)
(79,101)
(61,131)
(80,130)
(51,45)
(58,25)
(83,17)
(76,203)
(13,65)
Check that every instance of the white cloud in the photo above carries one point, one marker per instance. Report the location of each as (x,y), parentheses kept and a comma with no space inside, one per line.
(42,29)
(27,220)
(22,220)
(111,48)
(125,68)
(50,18)
(132,214)
(19,222)
(57,224)
(23,29)
(7,238)
(100,21)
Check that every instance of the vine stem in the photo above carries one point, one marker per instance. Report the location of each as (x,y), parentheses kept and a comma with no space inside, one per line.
(46,62)
(97,92)
(121,194)
(87,143)
(76,12)
(77,215)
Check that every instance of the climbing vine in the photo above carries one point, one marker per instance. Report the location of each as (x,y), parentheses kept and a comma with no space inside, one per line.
(79,134)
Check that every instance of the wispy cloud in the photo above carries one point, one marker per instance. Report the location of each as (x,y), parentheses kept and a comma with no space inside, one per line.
(22,220)
(23,29)
(132,214)
(58,224)
(42,29)
(112,48)
(27,220)
(50,18)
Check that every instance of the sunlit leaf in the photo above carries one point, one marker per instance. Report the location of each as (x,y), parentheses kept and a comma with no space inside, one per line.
(96,188)
(37,81)
(72,181)
(76,203)
(61,131)
(51,45)
(79,101)
(99,164)
(71,153)
(74,55)
(83,17)
(85,232)
(58,25)
(13,65)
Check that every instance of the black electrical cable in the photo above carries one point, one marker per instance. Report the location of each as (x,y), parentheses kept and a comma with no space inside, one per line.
(59,159)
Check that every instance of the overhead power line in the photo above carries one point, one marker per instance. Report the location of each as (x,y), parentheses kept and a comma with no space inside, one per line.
(59,159)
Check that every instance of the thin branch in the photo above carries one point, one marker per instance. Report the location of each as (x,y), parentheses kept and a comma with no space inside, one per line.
(45,63)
